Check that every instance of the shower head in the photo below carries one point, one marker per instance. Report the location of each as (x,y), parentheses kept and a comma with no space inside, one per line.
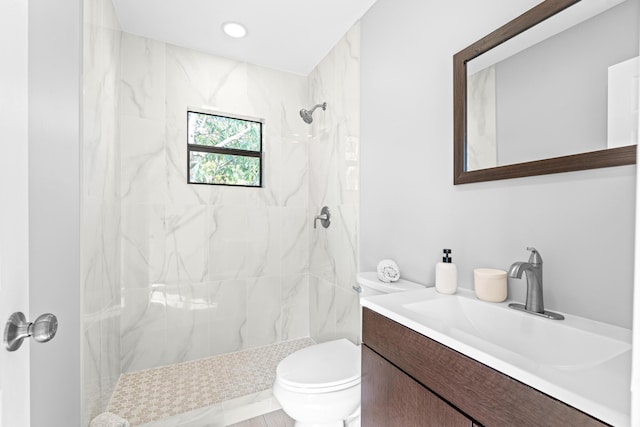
(307,114)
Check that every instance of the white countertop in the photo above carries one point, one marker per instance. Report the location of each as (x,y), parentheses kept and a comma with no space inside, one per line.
(602,390)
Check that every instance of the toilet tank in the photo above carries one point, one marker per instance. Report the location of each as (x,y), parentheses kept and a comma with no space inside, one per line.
(370,285)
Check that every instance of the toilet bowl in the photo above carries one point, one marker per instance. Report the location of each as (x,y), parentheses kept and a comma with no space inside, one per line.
(319,386)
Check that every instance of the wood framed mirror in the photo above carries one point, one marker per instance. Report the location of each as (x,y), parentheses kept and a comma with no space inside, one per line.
(479,106)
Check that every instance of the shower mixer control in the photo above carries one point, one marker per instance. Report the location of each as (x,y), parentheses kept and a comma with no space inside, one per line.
(324,217)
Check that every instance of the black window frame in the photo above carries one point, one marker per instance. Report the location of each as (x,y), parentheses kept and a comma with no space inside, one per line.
(224,150)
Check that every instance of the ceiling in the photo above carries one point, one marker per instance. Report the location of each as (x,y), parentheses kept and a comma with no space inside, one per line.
(288,35)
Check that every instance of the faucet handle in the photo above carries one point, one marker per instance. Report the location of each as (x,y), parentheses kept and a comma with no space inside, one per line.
(535,257)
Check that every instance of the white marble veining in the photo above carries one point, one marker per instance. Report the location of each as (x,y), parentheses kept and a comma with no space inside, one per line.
(186,243)
(348,314)
(248,246)
(143,160)
(175,272)
(264,241)
(295,178)
(294,319)
(101,13)
(187,310)
(322,309)
(334,181)
(264,308)
(295,241)
(481,118)
(143,328)
(142,90)
(228,241)
(100,207)
(143,244)
(344,246)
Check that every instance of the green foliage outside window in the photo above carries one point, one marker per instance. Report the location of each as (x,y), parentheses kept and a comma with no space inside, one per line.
(224,150)
(214,168)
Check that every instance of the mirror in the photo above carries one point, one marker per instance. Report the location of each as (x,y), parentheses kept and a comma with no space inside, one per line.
(554,90)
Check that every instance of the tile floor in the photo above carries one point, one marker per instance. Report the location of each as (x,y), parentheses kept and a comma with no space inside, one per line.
(155,394)
(272,419)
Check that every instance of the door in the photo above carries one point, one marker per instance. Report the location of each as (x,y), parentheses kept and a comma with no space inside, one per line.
(14,250)
(40,82)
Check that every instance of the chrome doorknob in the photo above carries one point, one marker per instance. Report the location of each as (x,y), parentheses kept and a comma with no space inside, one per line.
(17,329)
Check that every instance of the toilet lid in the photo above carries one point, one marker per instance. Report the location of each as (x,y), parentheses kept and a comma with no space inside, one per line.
(327,365)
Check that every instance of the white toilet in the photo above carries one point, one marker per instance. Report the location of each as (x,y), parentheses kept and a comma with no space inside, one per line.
(319,386)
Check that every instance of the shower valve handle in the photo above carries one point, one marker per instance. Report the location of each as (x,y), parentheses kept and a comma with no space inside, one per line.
(324,217)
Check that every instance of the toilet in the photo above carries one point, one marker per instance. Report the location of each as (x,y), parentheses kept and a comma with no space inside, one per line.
(319,386)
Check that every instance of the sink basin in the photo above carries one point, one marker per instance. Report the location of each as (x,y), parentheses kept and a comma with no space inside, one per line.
(554,343)
(582,362)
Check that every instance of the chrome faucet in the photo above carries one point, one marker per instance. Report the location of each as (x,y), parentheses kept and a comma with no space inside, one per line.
(533,271)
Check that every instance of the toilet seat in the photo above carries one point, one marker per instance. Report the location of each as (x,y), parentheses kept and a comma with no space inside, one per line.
(321,368)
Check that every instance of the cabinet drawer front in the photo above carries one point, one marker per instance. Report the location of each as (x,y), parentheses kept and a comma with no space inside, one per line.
(484,394)
(391,398)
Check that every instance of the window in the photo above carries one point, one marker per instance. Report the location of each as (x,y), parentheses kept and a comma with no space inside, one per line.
(224,150)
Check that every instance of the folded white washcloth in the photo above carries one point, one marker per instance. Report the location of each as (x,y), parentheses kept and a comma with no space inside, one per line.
(388,271)
(108,419)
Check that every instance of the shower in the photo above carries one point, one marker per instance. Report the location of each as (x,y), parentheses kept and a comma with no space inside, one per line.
(307,114)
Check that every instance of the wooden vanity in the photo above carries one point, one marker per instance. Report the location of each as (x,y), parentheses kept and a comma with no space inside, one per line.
(409,380)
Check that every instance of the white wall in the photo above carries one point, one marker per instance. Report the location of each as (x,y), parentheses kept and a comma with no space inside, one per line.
(581,222)
(55,55)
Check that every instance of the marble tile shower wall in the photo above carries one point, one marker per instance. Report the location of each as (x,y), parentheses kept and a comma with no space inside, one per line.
(208,270)
(100,207)
(173,272)
(334,182)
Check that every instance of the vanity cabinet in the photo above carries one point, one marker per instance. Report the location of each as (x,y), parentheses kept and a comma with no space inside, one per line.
(393,398)
(411,380)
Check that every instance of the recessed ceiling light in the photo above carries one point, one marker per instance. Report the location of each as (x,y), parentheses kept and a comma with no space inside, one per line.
(233,29)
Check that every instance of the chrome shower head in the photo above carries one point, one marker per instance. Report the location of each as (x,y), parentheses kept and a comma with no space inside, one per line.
(307,115)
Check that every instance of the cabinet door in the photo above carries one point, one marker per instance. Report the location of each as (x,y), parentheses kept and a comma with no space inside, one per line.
(391,398)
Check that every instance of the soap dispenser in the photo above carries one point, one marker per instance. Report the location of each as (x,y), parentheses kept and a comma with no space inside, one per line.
(446,274)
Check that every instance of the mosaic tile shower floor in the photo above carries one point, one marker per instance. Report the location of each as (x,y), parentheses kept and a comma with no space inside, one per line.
(155,394)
